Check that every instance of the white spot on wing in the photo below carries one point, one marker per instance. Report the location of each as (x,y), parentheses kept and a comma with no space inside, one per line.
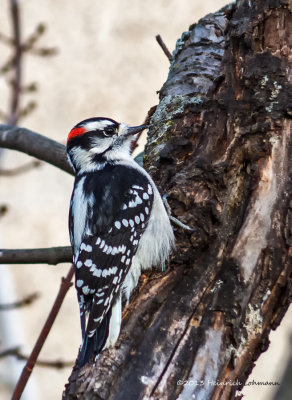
(109,250)
(88,263)
(138,200)
(79,282)
(125,222)
(117,224)
(114,250)
(85,290)
(132,204)
(96,272)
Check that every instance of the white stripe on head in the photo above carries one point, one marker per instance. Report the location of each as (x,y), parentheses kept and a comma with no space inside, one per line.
(97,125)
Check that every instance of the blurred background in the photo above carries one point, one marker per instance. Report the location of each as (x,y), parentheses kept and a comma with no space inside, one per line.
(103,60)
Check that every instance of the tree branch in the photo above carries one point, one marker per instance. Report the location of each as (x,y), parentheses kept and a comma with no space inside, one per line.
(52,256)
(15,352)
(21,169)
(14,109)
(35,145)
(27,370)
(164,47)
(20,303)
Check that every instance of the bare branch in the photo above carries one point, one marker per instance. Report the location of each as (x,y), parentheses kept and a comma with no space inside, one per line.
(14,108)
(35,145)
(17,304)
(20,170)
(163,46)
(15,351)
(3,209)
(27,370)
(147,119)
(52,255)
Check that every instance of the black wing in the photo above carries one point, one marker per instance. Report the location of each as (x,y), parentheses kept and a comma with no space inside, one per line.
(118,213)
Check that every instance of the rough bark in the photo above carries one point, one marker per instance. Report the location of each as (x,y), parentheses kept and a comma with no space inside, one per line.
(220,146)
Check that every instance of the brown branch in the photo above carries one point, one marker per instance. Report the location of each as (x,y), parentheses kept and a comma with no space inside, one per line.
(3,209)
(26,47)
(33,144)
(52,256)
(15,352)
(14,108)
(147,119)
(20,303)
(27,370)
(20,170)
(163,46)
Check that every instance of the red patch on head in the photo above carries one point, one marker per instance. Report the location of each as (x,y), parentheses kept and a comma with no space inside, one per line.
(76,132)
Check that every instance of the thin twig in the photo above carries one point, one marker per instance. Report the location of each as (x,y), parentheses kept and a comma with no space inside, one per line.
(20,170)
(20,303)
(52,255)
(27,370)
(15,352)
(33,144)
(163,46)
(14,109)
(3,209)
(147,119)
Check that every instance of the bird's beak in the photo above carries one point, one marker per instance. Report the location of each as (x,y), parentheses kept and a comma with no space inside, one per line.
(132,130)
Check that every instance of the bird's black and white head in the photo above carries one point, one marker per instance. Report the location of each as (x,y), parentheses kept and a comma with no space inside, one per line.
(96,141)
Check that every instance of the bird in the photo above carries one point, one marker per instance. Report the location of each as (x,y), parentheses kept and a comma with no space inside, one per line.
(118,227)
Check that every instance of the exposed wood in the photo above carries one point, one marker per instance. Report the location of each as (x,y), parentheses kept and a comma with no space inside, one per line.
(220,146)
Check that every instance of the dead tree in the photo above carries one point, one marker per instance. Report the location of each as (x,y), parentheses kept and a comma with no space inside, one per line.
(220,147)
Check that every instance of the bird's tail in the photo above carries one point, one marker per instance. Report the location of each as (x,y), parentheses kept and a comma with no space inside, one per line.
(93,345)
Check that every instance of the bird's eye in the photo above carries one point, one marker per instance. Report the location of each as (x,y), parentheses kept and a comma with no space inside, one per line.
(109,131)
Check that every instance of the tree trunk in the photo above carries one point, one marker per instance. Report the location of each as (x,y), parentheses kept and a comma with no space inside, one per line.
(220,146)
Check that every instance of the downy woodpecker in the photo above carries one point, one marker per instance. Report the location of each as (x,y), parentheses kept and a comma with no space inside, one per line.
(118,226)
